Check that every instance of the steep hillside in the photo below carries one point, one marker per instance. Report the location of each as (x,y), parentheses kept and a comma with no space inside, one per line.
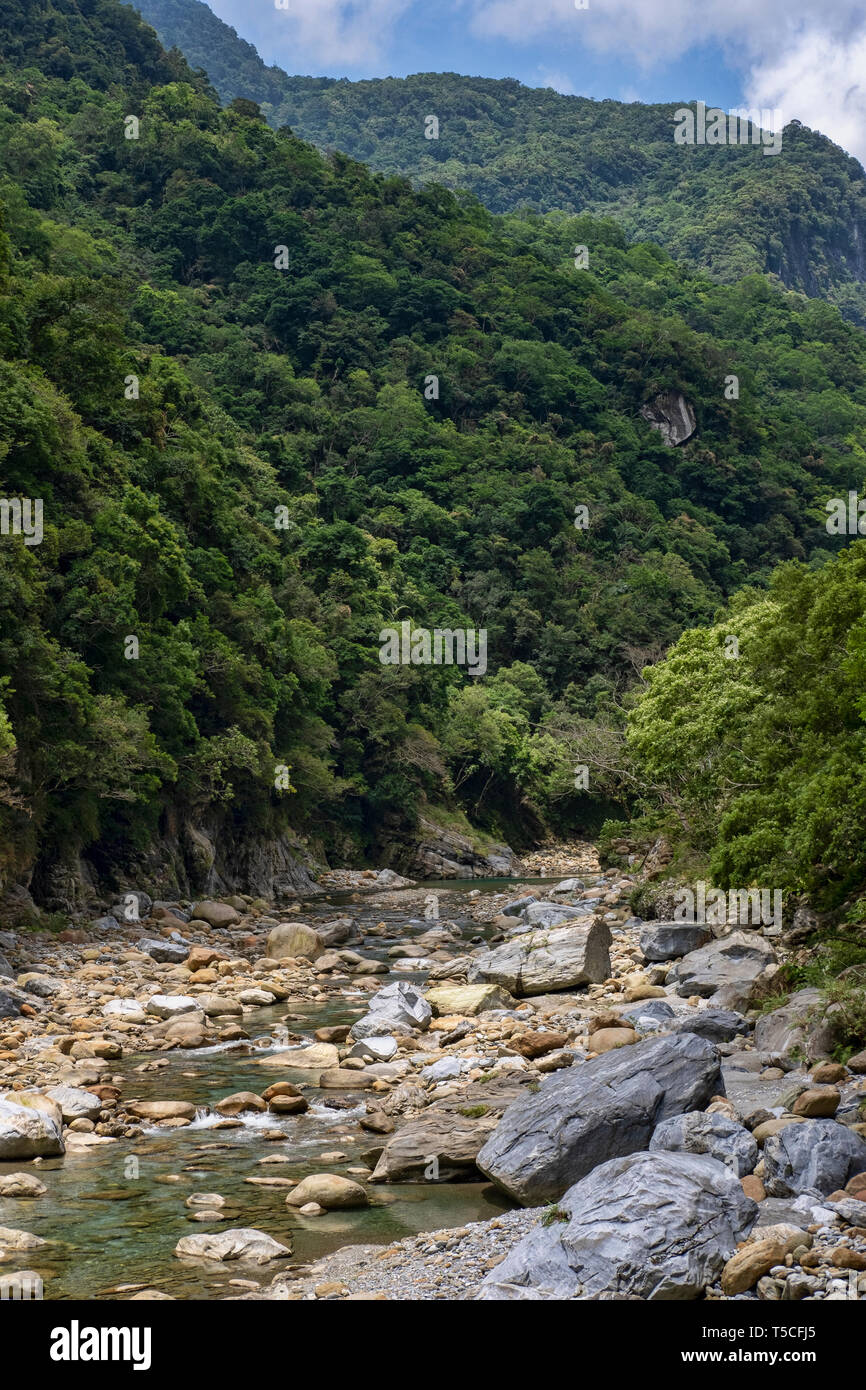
(799,215)
(217,358)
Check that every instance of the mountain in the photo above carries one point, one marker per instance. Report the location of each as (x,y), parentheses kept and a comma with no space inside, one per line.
(799,215)
(266,405)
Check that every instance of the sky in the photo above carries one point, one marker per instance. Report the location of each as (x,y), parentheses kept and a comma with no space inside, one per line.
(802,59)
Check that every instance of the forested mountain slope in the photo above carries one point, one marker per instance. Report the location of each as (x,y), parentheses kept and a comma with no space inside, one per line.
(172,397)
(799,215)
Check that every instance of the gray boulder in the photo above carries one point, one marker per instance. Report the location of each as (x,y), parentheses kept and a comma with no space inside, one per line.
(517,906)
(604,1108)
(538,962)
(653,1226)
(551,914)
(733,961)
(75,1103)
(27,1133)
(785,1028)
(815,1156)
(717,1025)
(715,1135)
(9,1007)
(398,1008)
(160,949)
(651,1016)
(6,967)
(668,940)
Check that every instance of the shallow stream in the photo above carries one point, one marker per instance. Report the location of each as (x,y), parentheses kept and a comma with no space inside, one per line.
(114,1215)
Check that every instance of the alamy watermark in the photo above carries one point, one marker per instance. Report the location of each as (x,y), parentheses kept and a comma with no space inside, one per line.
(846,517)
(741,126)
(22,516)
(743,907)
(444,646)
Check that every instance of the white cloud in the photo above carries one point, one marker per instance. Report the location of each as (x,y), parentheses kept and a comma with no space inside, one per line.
(317,33)
(808,61)
(557,80)
(822,84)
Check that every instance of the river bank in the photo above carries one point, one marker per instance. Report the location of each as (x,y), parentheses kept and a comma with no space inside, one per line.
(408,1091)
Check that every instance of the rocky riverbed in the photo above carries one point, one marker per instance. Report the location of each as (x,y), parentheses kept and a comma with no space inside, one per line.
(435,1091)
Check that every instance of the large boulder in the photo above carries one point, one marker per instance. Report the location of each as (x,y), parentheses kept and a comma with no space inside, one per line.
(467,1000)
(330,1191)
(243,1243)
(539,962)
(669,940)
(75,1103)
(713,1134)
(815,1156)
(607,1107)
(154,1110)
(28,1133)
(783,1029)
(653,1226)
(215,914)
(21,1185)
(294,939)
(398,1008)
(315,1057)
(735,961)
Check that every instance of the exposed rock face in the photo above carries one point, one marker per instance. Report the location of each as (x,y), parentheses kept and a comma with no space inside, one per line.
(441,852)
(187,859)
(26,1132)
(734,960)
(539,961)
(655,1226)
(815,1156)
(715,1135)
(580,1116)
(668,940)
(671,414)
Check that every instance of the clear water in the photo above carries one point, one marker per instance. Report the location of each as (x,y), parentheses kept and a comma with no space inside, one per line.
(107,1228)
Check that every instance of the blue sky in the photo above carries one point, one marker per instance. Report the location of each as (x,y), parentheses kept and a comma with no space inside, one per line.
(795,57)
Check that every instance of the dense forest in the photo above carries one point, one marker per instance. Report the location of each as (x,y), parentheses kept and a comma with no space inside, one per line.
(217,348)
(799,215)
